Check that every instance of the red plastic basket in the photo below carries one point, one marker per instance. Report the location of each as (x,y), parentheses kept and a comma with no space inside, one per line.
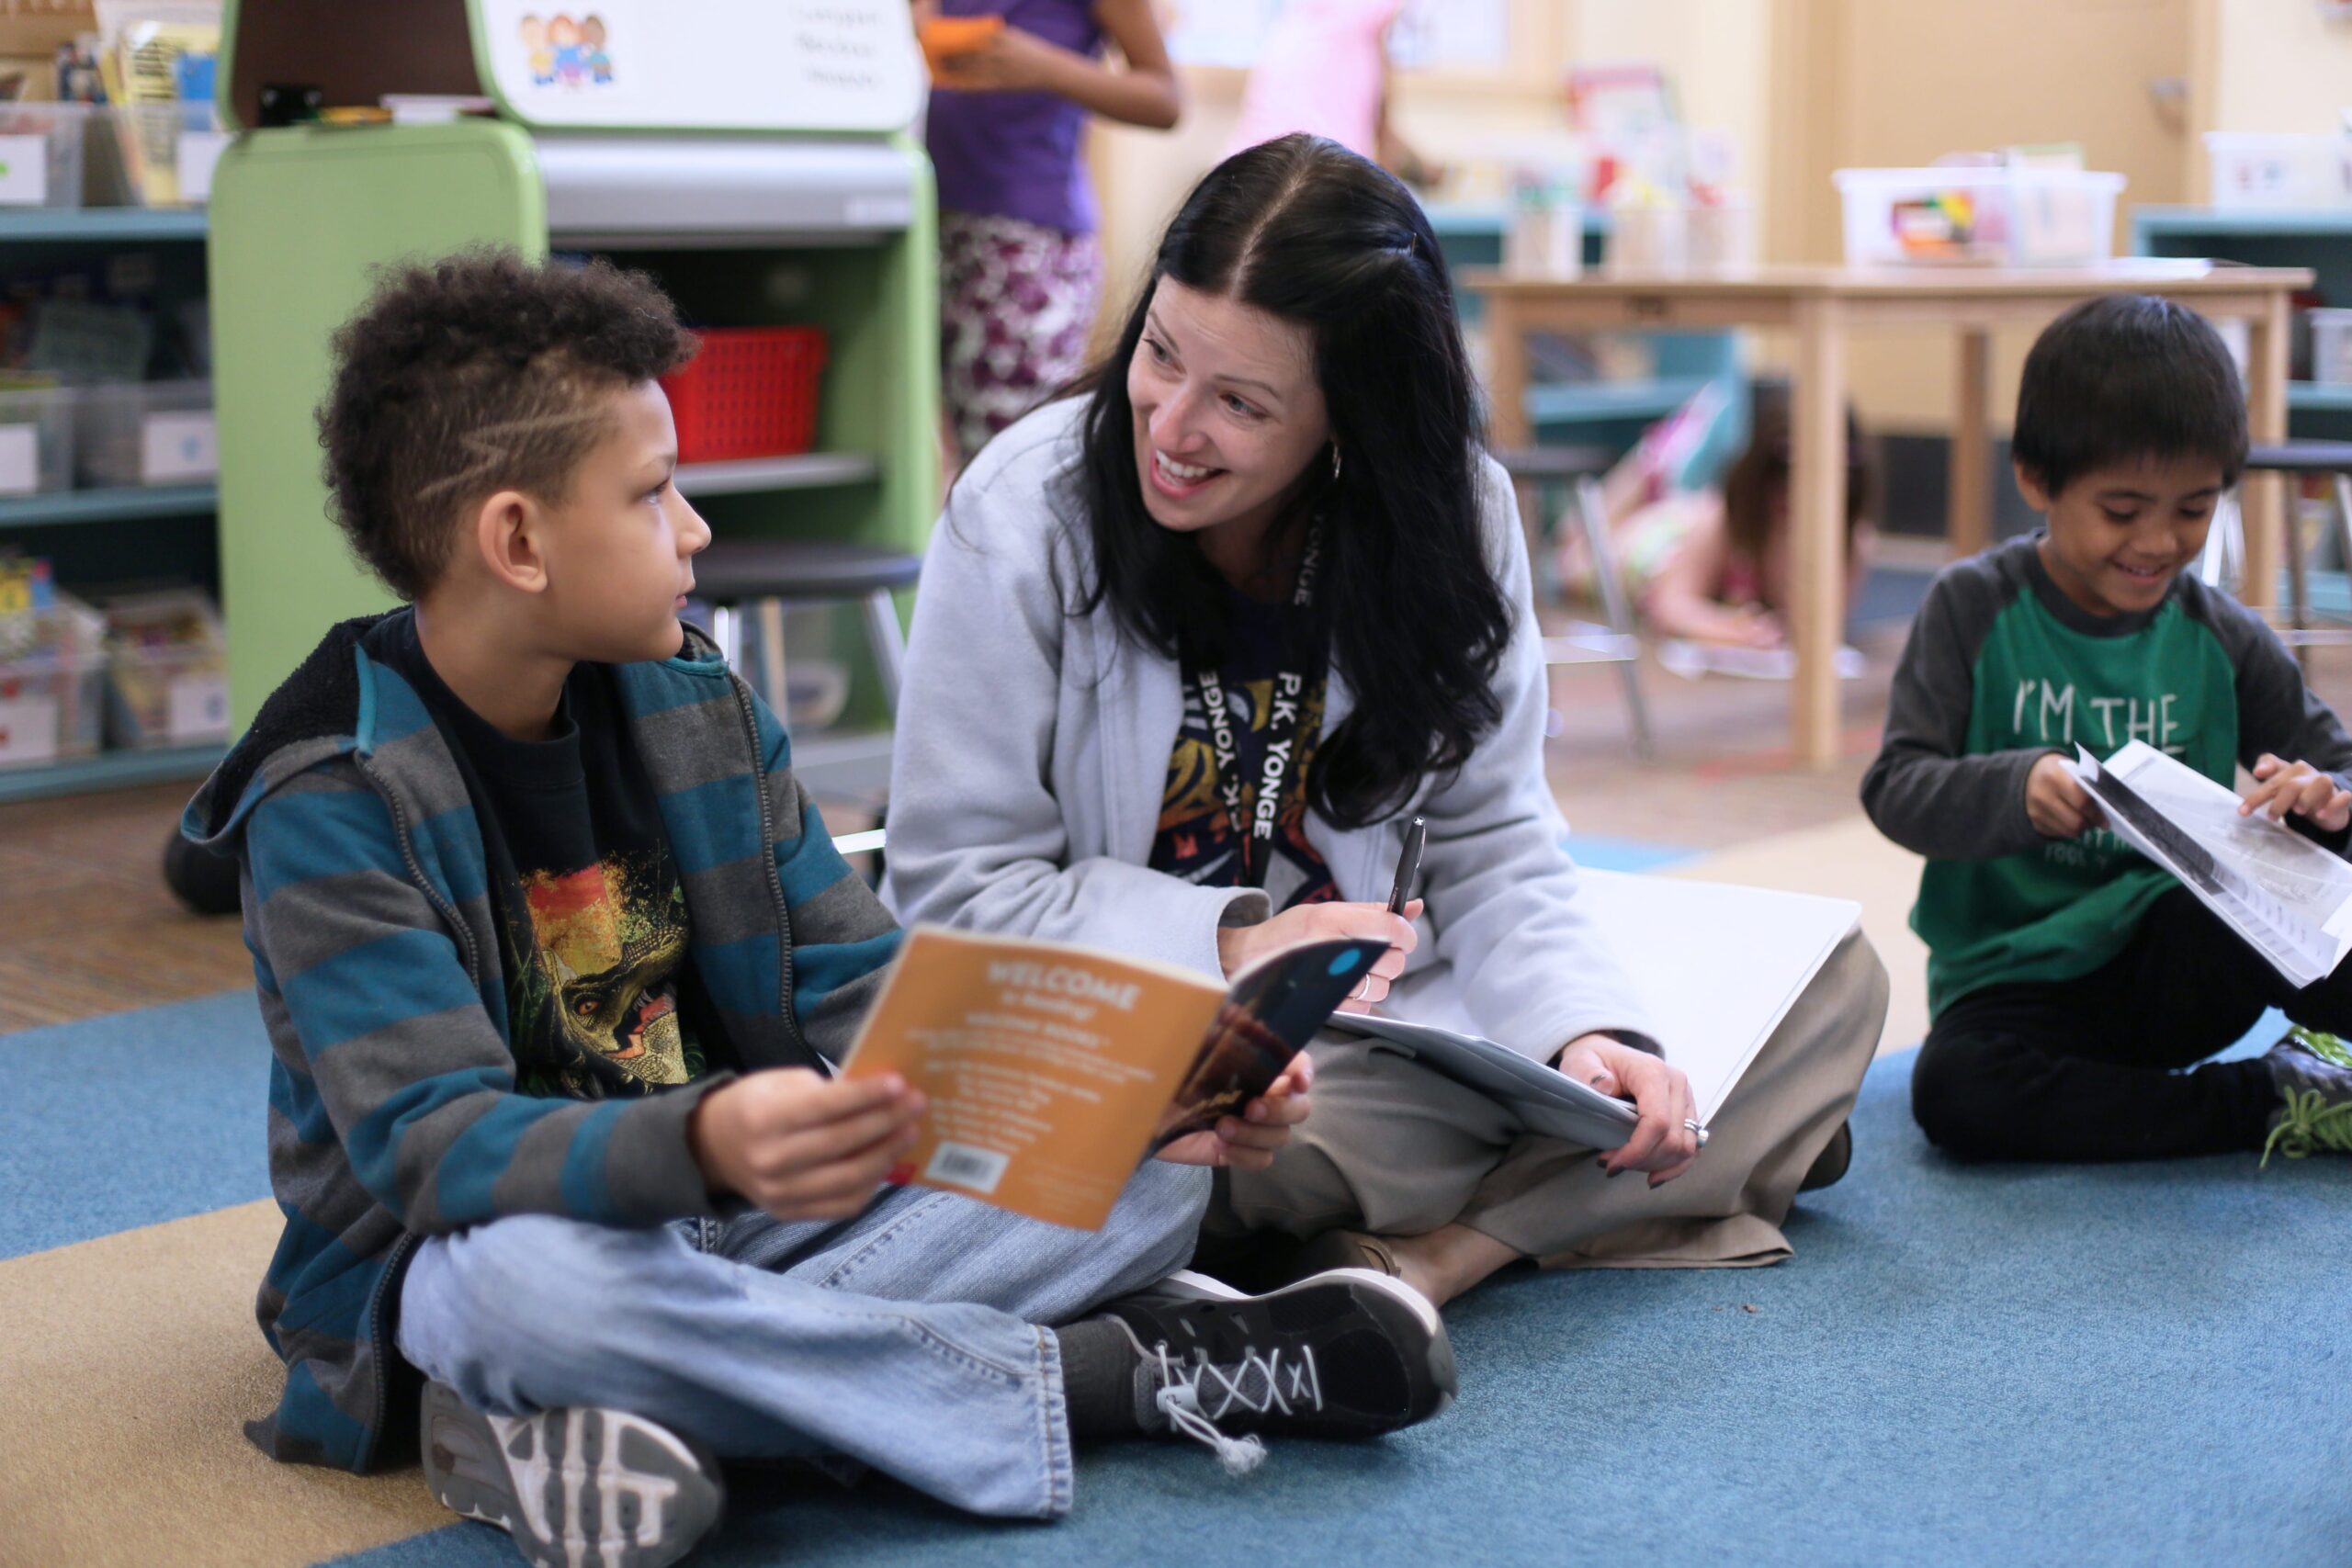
(748,392)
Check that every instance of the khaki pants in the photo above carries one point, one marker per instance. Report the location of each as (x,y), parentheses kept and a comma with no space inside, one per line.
(1396,1149)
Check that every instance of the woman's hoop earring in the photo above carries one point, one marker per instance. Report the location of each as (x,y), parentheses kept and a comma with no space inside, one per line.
(1335,462)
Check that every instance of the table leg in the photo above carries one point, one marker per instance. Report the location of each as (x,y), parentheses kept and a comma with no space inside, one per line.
(1968,520)
(2261,497)
(1817,517)
(1505,374)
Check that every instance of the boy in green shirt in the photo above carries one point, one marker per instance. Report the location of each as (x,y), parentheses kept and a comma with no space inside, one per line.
(2068,978)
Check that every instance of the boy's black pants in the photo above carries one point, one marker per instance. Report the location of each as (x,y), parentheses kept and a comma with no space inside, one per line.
(2084,1069)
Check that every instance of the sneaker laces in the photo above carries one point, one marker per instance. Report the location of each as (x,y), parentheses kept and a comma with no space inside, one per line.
(2308,1123)
(2326,1047)
(1196,1396)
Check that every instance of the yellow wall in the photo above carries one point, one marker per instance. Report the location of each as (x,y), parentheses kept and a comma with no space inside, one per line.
(2281,66)
(1808,87)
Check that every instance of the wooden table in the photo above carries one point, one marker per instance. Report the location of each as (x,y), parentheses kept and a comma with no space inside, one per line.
(1819,304)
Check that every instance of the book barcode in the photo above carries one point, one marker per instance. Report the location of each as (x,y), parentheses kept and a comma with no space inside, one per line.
(980,1170)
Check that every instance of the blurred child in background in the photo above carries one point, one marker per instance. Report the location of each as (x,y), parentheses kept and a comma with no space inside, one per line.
(1020,275)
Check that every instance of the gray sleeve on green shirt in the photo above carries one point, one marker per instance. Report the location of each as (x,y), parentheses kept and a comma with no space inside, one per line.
(2276,712)
(1924,791)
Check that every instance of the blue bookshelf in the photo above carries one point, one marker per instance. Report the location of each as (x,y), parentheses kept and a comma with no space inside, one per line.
(1610,412)
(2318,238)
(166,523)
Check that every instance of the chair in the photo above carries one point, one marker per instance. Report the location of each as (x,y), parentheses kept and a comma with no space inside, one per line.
(1533,470)
(2223,559)
(762,576)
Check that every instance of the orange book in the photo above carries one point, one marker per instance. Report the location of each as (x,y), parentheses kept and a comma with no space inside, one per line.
(944,37)
(1051,1070)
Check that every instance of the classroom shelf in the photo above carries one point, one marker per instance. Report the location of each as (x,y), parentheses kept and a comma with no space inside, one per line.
(2333,397)
(100,225)
(853,764)
(1561,403)
(108,770)
(54,508)
(2250,221)
(1478,220)
(811,471)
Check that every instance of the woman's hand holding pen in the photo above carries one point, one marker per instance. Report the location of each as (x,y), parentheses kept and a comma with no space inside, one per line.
(1237,947)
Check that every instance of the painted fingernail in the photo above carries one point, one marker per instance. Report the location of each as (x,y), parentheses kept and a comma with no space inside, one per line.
(900,1174)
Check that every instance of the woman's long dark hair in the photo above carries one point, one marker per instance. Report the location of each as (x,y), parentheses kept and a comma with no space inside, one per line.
(1309,232)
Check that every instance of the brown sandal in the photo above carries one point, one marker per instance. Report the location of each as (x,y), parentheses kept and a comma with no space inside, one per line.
(1347,1249)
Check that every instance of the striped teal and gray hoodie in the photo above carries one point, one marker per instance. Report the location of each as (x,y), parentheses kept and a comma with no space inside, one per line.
(393,1112)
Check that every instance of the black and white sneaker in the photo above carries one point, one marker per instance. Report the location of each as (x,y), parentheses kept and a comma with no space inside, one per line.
(1346,1353)
(578,1488)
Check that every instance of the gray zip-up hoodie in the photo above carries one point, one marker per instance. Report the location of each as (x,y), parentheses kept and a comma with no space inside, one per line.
(1034,745)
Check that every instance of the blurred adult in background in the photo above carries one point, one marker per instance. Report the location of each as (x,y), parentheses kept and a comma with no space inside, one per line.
(1020,275)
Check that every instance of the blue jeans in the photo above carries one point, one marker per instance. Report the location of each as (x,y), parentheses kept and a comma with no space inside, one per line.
(908,1339)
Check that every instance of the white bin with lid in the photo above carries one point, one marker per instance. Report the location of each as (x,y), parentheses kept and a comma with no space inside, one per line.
(1987,217)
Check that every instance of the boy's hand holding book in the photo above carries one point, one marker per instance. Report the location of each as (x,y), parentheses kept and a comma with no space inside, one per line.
(2056,801)
(804,1148)
(2282,786)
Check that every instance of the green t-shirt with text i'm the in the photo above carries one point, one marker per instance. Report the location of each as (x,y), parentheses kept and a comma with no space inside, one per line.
(2001,670)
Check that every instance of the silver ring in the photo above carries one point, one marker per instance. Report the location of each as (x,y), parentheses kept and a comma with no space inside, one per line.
(1694,1127)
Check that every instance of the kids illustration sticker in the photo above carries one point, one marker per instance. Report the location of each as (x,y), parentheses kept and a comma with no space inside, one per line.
(564,50)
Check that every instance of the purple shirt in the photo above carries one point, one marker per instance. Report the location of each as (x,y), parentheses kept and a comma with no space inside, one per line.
(1015,154)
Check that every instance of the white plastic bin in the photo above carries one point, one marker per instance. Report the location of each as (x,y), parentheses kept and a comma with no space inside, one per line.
(36,440)
(2332,347)
(40,154)
(1991,217)
(2257,169)
(52,689)
(167,671)
(147,433)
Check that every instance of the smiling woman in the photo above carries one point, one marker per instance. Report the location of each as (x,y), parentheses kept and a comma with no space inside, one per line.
(1193,644)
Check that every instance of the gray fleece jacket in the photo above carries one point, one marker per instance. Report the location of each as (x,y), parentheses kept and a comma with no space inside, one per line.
(1034,745)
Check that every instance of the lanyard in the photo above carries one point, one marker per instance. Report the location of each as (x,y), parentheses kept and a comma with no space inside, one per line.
(1254,832)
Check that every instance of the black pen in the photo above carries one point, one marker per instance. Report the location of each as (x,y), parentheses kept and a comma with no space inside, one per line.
(1408,864)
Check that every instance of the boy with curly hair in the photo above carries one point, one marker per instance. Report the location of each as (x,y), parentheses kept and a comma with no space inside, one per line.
(557,961)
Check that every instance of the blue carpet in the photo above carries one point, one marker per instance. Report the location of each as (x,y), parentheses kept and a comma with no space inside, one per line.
(2127,1365)
(1604,854)
(131,1120)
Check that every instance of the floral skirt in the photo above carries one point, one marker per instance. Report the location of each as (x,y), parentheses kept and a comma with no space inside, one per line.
(1017,305)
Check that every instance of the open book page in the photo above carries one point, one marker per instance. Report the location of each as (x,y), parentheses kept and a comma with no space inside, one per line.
(1716,966)
(1050,1068)
(2284,894)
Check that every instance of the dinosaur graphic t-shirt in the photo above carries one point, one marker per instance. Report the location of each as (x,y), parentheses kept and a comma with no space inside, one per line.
(1195,838)
(592,916)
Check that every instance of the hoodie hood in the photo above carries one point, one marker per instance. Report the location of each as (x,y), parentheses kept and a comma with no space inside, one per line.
(318,711)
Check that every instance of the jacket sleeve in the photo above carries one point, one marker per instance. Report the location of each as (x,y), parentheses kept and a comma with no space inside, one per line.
(843,937)
(1533,970)
(411,1067)
(2278,713)
(1925,791)
(977,837)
